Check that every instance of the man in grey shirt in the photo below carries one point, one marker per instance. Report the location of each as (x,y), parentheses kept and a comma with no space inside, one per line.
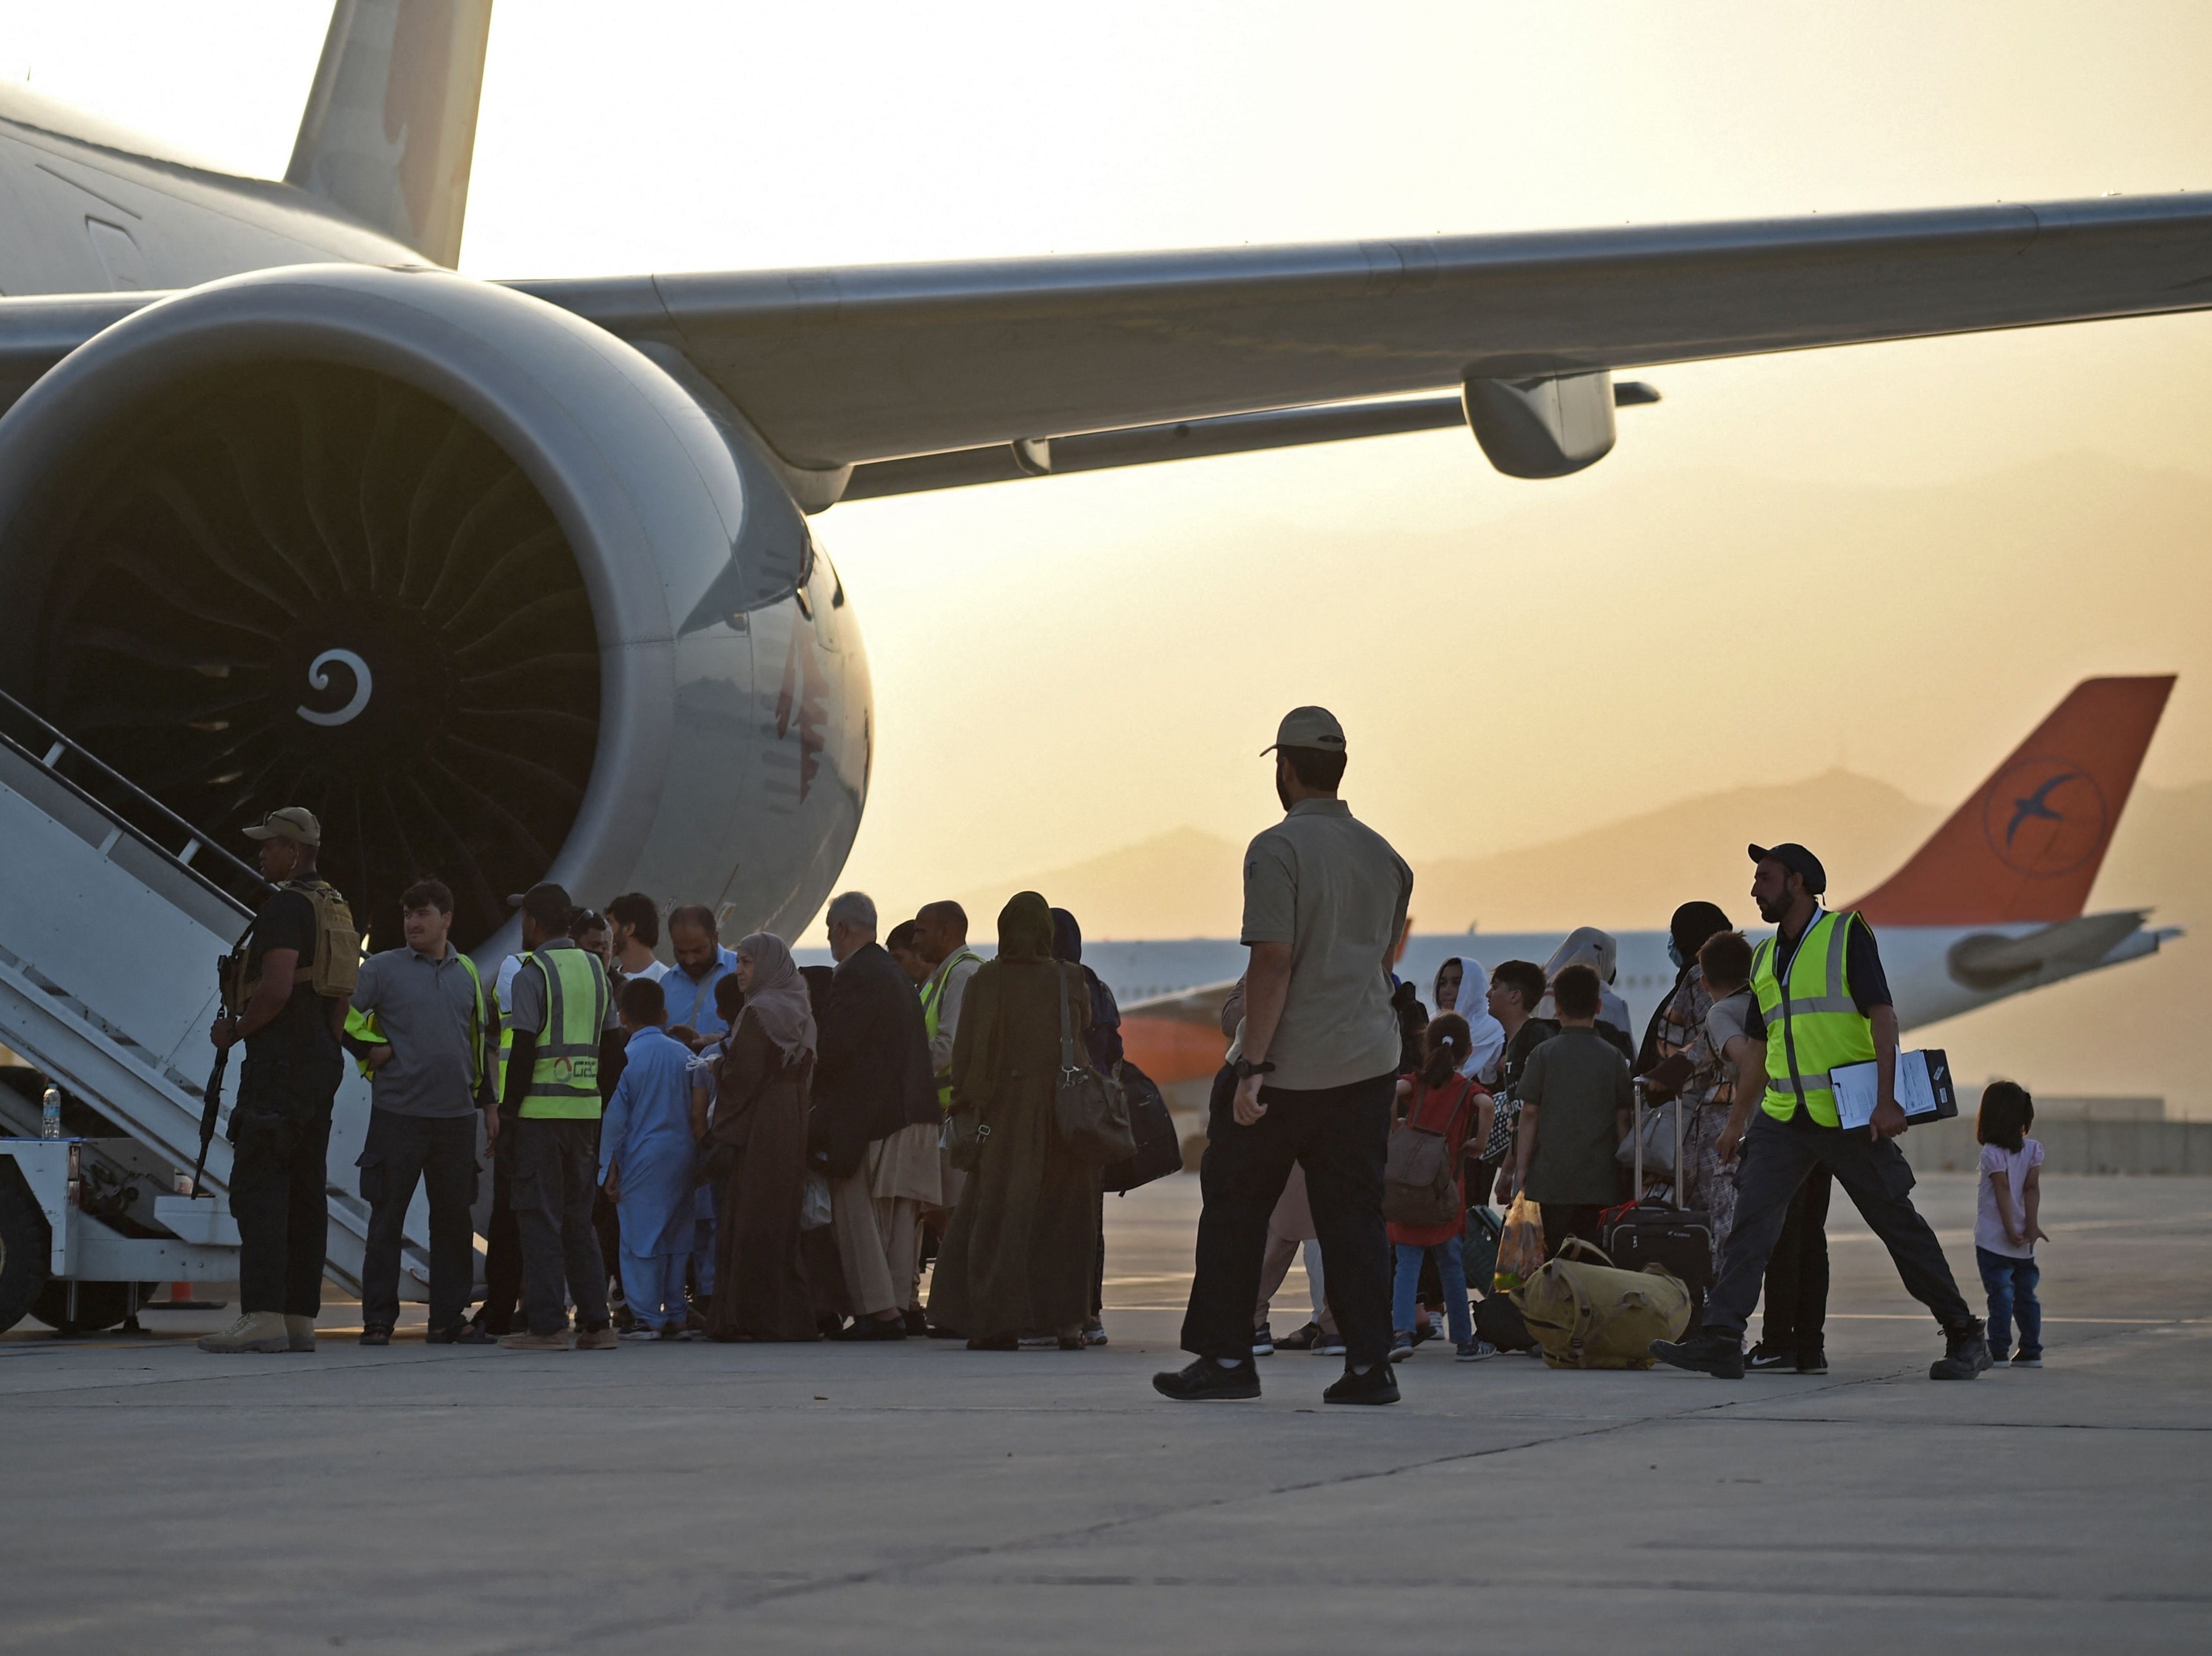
(1310,1078)
(422,1026)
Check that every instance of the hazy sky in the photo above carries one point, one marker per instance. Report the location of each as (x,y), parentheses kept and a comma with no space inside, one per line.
(1065,666)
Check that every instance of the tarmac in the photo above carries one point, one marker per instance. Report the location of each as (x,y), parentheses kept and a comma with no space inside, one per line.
(920,1497)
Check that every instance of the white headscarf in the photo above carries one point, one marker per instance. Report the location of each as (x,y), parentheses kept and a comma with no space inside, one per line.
(1586,946)
(1472,1002)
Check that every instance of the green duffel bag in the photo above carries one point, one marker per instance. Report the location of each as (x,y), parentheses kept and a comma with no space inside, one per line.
(1587,1313)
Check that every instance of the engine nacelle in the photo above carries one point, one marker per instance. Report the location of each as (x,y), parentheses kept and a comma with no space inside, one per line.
(479,583)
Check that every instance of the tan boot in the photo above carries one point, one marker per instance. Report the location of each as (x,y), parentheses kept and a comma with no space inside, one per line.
(256,1330)
(300,1331)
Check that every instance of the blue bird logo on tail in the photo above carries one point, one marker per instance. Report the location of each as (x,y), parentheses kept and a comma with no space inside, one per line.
(2038,804)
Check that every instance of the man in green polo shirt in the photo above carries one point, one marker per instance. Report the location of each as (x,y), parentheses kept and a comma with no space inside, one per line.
(1824,1001)
(558,1004)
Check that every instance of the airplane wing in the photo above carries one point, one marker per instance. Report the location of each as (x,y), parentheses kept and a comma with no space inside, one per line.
(875,363)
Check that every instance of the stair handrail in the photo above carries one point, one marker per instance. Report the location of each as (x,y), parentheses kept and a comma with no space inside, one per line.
(196,840)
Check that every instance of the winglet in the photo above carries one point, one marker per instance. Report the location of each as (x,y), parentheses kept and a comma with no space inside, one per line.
(2026,846)
(390,125)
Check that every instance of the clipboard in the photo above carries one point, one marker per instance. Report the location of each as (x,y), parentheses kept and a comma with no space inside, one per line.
(1924,1089)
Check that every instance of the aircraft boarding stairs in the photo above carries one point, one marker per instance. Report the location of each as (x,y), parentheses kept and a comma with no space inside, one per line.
(108,943)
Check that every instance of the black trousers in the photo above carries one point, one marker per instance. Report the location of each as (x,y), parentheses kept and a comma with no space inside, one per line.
(556,1171)
(1341,1135)
(1776,1161)
(1563,1219)
(440,1152)
(1796,1298)
(503,1240)
(280,1133)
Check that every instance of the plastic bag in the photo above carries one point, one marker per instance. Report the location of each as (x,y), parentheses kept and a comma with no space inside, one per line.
(1521,1245)
(814,1202)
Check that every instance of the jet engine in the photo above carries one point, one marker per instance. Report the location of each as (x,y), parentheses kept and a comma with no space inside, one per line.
(498,596)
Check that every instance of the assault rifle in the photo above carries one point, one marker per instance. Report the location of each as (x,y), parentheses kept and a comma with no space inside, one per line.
(211,1100)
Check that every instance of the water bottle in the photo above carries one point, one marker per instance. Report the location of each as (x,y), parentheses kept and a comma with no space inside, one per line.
(50,1117)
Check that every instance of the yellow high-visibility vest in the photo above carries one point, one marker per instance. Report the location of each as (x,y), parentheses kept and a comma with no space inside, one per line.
(1813,1025)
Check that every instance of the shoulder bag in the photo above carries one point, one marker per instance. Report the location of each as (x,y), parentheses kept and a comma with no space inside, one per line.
(1091,1112)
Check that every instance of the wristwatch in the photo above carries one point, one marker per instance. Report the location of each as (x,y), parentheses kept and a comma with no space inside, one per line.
(1246,1069)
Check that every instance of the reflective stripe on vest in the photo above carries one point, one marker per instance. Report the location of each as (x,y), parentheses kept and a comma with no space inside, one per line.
(933,996)
(364,1026)
(1813,1025)
(564,1082)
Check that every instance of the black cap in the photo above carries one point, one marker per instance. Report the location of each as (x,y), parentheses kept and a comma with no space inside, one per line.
(546,903)
(1799,860)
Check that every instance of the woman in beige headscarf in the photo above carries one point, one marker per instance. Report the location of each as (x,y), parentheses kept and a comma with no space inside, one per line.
(1017,1259)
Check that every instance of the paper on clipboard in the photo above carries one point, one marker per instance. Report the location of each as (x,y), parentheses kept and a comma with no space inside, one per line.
(1924,1089)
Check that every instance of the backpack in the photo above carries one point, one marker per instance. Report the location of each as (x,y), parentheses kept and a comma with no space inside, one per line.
(1420,1184)
(1590,1315)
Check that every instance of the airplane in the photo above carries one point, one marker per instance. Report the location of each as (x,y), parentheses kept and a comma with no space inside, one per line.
(519,580)
(1992,905)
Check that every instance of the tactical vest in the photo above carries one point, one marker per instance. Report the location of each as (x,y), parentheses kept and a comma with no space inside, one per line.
(336,966)
(932,999)
(564,1083)
(1813,1025)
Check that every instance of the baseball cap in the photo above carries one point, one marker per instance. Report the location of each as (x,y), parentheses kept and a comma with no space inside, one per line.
(288,822)
(548,904)
(1795,858)
(1309,727)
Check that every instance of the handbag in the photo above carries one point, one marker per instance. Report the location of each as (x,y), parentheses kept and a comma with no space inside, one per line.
(1091,1112)
(1159,1151)
(1656,1128)
(1501,1129)
(964,1136)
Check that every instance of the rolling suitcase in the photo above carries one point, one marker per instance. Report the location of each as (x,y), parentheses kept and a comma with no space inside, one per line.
(1652,1232)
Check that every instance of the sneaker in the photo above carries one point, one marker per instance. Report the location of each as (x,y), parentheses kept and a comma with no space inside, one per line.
(1378,1385)
(1301,1339)
(462,1333)
(1328,1345)
(1208,1381)
(1720,1355)
(300,1332)
(1094,1332)
(644,1333)
(1402,1345)
(1263,1340)
(1037,1342)
(1965,1355)
(524,1340)
(1813,1361)
(1425,1332)
(602,1338)
(2027,1360)
(1764,1359)
(255,1331)
(374,1335)
(1473,1351)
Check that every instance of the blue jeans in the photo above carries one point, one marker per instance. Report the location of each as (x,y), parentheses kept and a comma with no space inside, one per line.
(1450,1271)
(2011,1285)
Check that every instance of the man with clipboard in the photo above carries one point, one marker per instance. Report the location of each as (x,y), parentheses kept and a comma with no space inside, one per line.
(1825,1002)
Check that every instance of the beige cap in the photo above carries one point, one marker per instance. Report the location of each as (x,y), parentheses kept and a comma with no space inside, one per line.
(295,822)
(1309,727)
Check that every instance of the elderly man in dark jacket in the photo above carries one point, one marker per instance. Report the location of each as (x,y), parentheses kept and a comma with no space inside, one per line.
(875,1124)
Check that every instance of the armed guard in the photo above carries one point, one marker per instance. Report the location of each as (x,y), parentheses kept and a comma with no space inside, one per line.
(286,994)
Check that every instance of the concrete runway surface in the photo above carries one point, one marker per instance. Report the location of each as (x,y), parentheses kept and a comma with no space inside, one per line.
(919,1497)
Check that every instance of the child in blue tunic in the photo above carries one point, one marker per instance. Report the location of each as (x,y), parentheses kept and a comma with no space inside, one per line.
(647,1163)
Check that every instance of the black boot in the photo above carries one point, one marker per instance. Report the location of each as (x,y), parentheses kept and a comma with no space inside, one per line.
(1965,1355)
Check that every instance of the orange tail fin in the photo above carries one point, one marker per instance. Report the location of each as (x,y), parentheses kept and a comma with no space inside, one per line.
(2027,844)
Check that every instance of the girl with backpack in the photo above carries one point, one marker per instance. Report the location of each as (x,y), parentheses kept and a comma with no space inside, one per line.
(1440,1103)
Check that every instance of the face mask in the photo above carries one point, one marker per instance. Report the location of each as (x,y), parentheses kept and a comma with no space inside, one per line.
(1674,953)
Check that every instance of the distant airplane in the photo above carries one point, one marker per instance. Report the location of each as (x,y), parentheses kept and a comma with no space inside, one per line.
(516,580)
(1979,913)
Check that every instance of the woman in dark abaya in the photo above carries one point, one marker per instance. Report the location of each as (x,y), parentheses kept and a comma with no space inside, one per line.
(1678,1061)
(761,1090)
(1017,1257)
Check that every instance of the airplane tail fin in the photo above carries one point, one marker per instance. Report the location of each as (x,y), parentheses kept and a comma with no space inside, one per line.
(390,125)
(2027,843)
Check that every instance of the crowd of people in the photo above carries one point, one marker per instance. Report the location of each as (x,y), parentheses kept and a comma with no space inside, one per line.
(725,1145)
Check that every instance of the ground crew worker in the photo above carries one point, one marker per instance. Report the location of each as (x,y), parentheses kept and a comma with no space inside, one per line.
(1823,1002)
(558,1006)
(287,988)
(420,1025)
